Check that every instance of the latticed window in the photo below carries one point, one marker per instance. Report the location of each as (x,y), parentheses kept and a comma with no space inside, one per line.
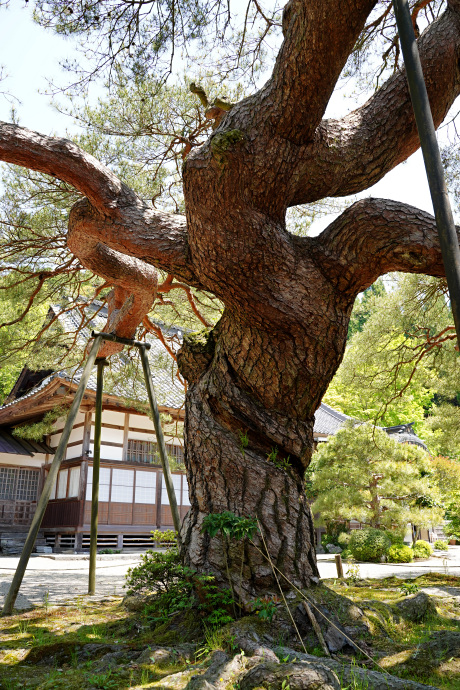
(27,485)
(147,451)
(18,484)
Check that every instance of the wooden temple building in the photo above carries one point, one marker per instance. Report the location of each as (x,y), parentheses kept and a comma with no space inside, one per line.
(133,499)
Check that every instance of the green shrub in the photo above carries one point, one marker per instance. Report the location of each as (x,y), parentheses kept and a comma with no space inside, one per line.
(408,588)
(441,545)
(422,549)
(343,539)
(395,536)
(328,539)
(400,553)
(175,587)
(346,553)
(369,544)
(169,536)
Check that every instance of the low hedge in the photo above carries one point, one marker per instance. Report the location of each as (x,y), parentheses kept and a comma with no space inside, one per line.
(369,544)
(421,549)
(400,553)
(441,545)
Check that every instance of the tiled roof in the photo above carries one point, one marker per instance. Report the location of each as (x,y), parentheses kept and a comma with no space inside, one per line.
(169,391)
(328,421)
(19,446)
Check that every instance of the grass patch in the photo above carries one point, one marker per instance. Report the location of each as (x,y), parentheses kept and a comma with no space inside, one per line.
(62,647)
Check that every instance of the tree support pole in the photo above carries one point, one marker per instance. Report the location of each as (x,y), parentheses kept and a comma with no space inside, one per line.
(101,363)
(143,347)
(444,219)
(10,598)
(161,440)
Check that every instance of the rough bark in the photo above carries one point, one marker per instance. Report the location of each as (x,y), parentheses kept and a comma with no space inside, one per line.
(263,370)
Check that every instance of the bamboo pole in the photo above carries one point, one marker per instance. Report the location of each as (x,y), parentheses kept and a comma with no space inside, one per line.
(10,598)
(101,363)
(434,170)
(160,440)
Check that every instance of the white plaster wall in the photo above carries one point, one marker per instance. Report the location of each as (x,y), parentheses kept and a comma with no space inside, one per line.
(74,451)
(142,436)
(22,460)
(108,452)
(112,417)
(140,422)
(112,435)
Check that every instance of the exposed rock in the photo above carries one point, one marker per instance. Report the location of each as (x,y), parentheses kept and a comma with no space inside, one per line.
(61,652)
(354,675)
(298,675)
(334,639)
(176,681)
(112,659)
(161,657)
(442,645)
(332,548)
(416,608)
(220,673)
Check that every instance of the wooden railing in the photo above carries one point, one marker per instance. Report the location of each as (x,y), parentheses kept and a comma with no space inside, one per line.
(17,512)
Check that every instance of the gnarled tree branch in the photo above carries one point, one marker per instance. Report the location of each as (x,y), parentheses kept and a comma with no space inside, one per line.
(319,37)
(374,237)
(351,154)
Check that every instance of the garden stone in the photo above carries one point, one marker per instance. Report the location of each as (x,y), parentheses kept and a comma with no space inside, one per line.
(301,675)
(416,608)
(356,676)
(332,548)
(334,639)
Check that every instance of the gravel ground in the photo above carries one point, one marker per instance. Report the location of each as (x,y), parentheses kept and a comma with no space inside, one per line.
(63,578)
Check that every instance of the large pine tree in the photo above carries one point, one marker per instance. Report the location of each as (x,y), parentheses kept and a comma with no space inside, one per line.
(260,373)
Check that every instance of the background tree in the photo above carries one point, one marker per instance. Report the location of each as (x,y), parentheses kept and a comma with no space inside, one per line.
(261,371)
(364,475)
(404,365)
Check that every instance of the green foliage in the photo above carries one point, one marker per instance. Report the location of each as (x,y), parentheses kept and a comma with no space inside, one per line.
(441,545)
(176,588)
(363,474)
(369,544)
(421,549)
(158,572)
(265,607)
(168,536)
(396,536)
(452,527)
(364,307)
(343,539)
(390,355)
(400,553)
(409,588)
(230,525)
(36,432)
(281,463)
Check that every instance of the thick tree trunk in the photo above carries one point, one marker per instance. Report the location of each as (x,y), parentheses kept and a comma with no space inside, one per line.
(263,370)
(225,474)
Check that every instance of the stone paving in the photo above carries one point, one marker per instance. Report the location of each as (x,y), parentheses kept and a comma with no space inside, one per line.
(63,578)
(61,581)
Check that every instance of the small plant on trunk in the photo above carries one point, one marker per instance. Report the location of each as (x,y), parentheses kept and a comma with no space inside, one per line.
(230,526)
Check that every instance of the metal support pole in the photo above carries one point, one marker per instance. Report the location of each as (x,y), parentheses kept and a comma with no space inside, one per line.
(444,220)
(161,441)
(50,481)
(101,363)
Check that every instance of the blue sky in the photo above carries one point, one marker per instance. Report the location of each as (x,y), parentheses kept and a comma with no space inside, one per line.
(31,55)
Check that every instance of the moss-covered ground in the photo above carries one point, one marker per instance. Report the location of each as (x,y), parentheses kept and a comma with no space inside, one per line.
(70,646)
(426,651)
